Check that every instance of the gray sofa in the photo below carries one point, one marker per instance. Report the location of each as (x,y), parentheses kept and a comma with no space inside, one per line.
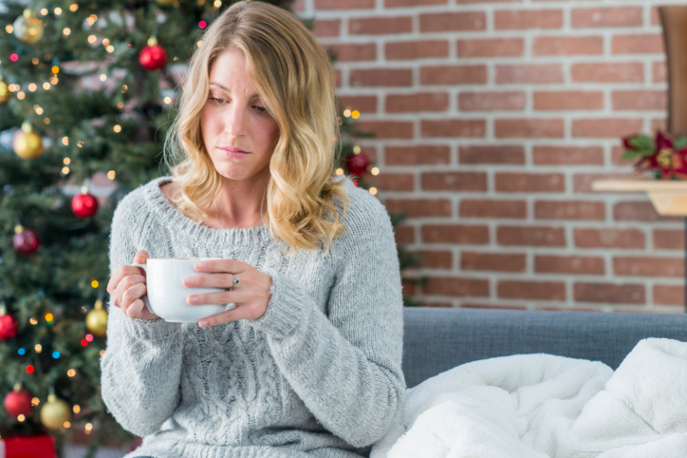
(439,339)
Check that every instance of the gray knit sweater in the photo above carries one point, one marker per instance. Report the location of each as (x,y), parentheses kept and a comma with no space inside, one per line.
(319,375)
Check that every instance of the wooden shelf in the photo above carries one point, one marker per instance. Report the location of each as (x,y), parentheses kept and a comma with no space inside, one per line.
(669,197)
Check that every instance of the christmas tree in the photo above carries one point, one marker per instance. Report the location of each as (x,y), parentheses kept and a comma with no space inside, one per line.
(87,89)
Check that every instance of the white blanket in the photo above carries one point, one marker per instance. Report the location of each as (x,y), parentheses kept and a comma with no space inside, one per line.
(546,406)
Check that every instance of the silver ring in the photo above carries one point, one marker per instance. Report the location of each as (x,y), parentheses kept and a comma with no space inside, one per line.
(236,280)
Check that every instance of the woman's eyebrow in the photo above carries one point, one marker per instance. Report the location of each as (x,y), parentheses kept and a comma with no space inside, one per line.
(217,84)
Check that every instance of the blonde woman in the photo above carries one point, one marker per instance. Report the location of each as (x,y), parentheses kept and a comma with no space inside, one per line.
(308,364)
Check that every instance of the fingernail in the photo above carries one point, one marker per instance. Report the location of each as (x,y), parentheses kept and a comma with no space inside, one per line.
(192,299)
(202,323)
(200,265)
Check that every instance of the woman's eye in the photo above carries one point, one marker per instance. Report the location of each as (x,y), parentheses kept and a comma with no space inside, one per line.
(261,109)
(216,99)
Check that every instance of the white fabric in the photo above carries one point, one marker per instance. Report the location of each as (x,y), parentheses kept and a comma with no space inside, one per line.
(539,406)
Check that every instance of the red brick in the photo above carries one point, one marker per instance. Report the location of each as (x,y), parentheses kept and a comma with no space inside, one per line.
(655,18)
(453,74)
(625,72)
(482,208)
(637,44)
(411,103)
(404,234)
(380,25)
(407,3)
(492,154)
(326,28)
(418,49)
(529,182)
(387,129)
(606,127)
(491,47)
(528,19)
(453,22)
(668,239)
(417,154)
(347,5)
(489,101)
(529,73)
(640,100)
(649,266)
(347,52)
(409,287)
(640,211)
(417,208)
(455,286)
(669,295)
(659,72)
(609,238)
(529,128)
(582,182)
(453,128)
(534,290)
(497,262)
(607,17)
(436,259)
(530,236)
(571,210)
(609,293)
(298,6)
(362,103)
(557,46)
(455,233)
(392,181)
(454,181)
(567,155)
(584,265)
(568,100)
(380,77)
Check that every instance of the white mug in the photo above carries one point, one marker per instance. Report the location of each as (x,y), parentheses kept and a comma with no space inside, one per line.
(166,293)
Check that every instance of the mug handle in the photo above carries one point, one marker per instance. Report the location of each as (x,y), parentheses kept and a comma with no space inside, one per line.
(145,296)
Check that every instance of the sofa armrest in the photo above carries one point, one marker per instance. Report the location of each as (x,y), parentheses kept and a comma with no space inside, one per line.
(439,339)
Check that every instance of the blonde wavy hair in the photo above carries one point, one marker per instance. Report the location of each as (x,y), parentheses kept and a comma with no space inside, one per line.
(294,77)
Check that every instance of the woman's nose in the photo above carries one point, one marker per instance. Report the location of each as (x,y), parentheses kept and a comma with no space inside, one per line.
(234,121)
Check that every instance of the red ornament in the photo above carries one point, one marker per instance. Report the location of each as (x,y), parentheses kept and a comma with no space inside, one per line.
(357,164)
(18,401)
(9,327)
(84,205)
(153,57)
(27,241)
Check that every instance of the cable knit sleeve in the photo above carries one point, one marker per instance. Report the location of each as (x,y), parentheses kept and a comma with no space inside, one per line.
(346,366)
(141,367)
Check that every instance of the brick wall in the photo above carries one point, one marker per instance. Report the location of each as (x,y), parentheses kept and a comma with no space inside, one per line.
(492,120)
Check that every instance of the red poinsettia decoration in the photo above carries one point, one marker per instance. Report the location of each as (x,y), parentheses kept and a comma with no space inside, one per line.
(662,155)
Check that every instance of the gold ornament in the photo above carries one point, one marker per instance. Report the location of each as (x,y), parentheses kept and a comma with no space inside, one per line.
(96,320)
(27,143)
(5,92)
(28,28)
(55,412)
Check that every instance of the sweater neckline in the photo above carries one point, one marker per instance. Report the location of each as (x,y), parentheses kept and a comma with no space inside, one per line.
(180,223)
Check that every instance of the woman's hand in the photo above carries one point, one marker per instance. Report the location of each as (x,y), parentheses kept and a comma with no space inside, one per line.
(251,295)
(128,285)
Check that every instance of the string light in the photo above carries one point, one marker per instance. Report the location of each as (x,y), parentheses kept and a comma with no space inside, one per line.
(347,113)
(14,57)
(9,28)
(58,11)
(32,87)
(73,7)
(92,38)
(71,372)
(55,69)
(117,128)
(35,402)
(373,191)
(38,348)
(35,61)
(103,77)
(76,408)
(111,174)
(29,369)
(355,114)
(65,170)
(33,321)
(46,86)
(375,171)
(21,417)
(94,283)
(66,31)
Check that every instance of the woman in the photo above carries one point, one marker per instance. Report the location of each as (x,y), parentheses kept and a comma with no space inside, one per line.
(308,364)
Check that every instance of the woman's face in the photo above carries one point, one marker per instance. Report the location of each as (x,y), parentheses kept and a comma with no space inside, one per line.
(235,117)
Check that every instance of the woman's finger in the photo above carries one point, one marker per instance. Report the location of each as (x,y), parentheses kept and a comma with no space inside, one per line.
(210,281)
(223,297)
(241,312)
(131,294)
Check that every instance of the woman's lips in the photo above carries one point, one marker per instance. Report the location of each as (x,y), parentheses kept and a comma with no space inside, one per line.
(233,153)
